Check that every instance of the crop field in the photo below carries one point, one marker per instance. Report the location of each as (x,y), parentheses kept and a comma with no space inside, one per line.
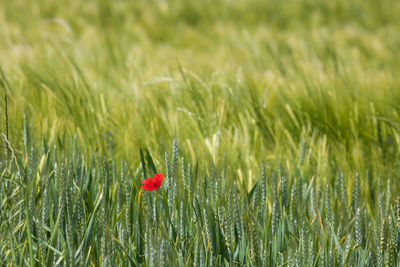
(275,124)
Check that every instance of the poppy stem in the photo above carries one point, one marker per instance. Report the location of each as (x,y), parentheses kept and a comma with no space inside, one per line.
(140,196)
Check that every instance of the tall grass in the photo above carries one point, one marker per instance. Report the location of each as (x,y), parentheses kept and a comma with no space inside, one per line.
(285,117)
(270,79)
(59,207)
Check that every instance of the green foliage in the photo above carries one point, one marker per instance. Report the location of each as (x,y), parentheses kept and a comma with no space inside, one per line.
(275,123)
(240,75)
(78,218)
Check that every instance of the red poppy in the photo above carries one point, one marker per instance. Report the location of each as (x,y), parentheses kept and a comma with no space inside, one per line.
(151,184)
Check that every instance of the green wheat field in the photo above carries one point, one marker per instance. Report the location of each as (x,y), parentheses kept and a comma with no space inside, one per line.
(276,125)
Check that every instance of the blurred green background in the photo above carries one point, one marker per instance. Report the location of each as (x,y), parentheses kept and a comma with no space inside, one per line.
(236,82)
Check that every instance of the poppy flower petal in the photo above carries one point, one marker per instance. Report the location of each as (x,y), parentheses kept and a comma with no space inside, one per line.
(158,177)
(148,184)
(152,183)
